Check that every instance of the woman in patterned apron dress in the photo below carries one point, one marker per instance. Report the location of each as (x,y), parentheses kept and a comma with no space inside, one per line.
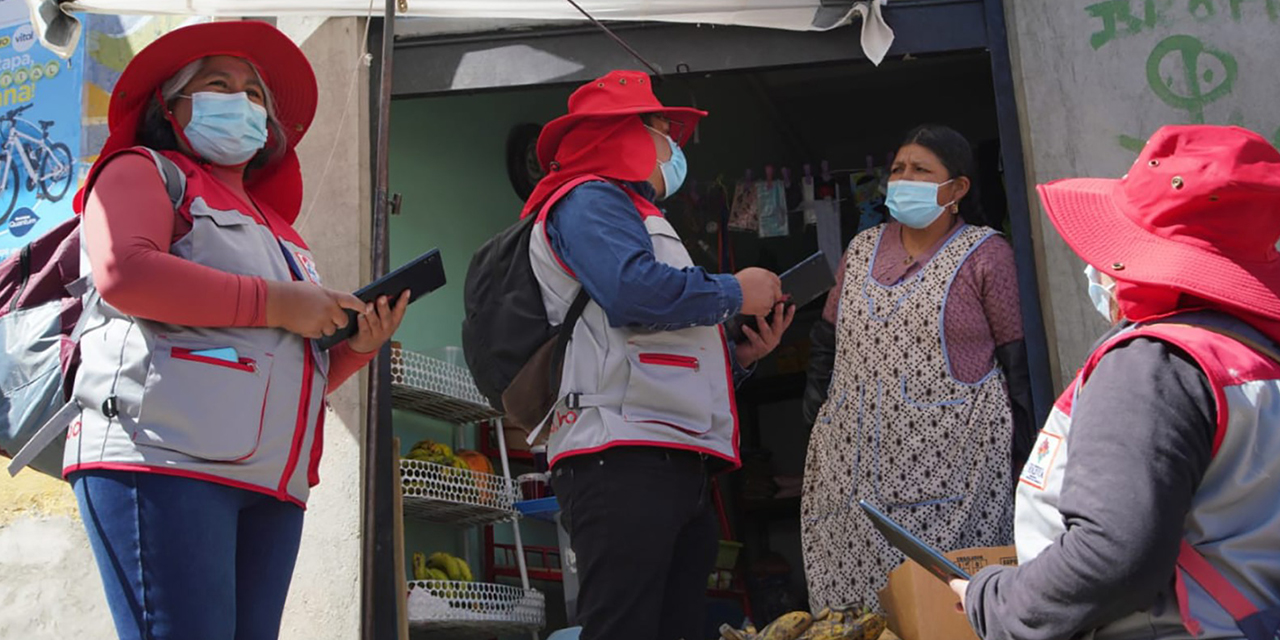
(917,418)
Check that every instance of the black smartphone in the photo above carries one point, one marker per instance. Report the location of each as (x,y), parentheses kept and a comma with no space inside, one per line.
(931,559)
(420,276)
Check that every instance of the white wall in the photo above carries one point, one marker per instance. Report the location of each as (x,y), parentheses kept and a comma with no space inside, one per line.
(1097,78)
(324,602)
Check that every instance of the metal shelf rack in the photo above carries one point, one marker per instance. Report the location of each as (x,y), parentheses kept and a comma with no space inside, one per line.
(460,497)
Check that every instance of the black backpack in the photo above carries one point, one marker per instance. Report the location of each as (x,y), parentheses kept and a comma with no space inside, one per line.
(506,336)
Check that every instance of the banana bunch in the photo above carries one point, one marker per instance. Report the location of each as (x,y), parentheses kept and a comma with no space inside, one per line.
(845,622)
(422,572)
(431,451)
(452,567)
(457,468)
(788,627)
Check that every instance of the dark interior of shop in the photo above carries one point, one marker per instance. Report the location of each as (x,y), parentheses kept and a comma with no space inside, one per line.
(843,122)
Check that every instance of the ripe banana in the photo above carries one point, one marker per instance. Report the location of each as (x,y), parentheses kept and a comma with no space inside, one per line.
(419,567)
(789,627)
(466,570)
(845,627)
(455,568)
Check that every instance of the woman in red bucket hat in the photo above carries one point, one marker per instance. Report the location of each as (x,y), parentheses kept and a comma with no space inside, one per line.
(1148,508)
(647,415)
(201,390)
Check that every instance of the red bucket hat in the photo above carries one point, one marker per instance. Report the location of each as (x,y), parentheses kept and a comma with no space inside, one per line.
(1199,212)
(283,68)
(619,93)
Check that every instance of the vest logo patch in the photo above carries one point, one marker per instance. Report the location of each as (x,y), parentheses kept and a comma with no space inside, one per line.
(308,267)
(1036,472)
(559,420)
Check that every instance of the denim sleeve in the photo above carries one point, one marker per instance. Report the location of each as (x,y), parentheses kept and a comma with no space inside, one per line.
(598,234)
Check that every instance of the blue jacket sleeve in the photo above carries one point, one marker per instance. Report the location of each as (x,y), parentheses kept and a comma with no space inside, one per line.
(601,238)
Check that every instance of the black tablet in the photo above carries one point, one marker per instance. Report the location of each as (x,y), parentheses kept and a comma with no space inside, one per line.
(808,280)
(803,283)
(420,276)
(931,559)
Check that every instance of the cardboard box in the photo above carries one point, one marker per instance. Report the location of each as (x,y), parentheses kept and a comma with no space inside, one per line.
(919,606)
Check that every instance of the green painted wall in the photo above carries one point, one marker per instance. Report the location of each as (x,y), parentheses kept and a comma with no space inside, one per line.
(448,162)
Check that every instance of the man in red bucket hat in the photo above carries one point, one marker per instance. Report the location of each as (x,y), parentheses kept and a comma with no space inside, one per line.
(647,415)
(1149,506)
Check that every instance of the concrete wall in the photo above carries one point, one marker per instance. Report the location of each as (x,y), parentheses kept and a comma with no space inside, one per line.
(1096,78)
(49,584)
(324,602)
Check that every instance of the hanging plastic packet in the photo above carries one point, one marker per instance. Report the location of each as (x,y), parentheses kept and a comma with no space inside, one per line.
(829,238)
(867,199)
(774,221)
(745,213)
(807,199)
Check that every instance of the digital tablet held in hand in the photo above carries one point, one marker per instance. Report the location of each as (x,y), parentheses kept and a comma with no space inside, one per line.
(420,276)
(803,283)
(931,559)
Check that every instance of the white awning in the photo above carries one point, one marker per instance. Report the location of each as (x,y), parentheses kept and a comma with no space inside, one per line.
(794,15)
(800,15)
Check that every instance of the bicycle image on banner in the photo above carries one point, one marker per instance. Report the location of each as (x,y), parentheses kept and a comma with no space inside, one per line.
(40,120)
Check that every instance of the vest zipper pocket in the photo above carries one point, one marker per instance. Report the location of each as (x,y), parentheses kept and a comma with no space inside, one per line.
(244,364)
(669,360)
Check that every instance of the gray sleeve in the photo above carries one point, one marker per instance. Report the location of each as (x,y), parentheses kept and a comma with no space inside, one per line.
(1141,439)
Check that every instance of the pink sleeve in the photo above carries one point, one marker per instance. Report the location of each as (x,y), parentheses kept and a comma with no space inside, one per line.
(833,297)
(345,362)
(998,283)
(128,226)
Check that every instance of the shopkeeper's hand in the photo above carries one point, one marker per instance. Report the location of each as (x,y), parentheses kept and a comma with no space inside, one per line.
(959,587)
(760,344)
(378,323)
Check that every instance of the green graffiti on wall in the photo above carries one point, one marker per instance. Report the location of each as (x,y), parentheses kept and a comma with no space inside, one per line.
(1124,18)
(1186,74)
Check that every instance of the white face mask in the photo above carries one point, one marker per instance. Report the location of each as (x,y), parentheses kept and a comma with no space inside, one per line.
(915,203)
(1100,294)
(226,129)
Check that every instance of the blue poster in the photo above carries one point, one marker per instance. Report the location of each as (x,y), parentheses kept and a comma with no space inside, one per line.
(40,116)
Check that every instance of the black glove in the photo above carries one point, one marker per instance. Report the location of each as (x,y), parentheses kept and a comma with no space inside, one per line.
(1012,358)
(822,359)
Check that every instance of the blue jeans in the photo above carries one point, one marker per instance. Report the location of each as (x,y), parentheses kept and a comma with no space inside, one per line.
(185,559)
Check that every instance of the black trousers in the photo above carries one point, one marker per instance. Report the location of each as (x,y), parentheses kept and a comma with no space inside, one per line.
(642,526)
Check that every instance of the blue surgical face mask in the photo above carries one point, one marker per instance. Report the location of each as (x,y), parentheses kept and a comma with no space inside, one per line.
(915,203)
(1100,294)
(674,170)
(226,128)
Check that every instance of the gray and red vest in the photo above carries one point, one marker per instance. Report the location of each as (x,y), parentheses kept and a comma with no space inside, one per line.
(150,402)
(1229,567)
(628,386)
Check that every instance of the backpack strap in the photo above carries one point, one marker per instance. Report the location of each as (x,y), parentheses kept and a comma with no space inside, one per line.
(566,330)
(175,182)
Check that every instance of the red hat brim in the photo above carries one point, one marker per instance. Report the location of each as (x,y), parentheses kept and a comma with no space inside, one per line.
(554,132)
(1088,215)
(282,65)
